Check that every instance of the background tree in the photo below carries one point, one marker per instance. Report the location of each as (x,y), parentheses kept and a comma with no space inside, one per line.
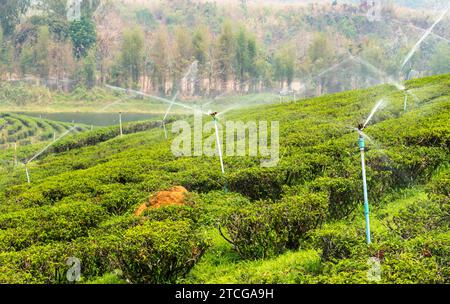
(41,52)
(1,51)
(226,50)
(89,69)
(83,36)
(10,13)
(284,65)
(320,57)
(183,56)
(62,63)
(440,61)
(160,57)
(200,46)
(253,64)
(131,57)
(56,8)
(242,60)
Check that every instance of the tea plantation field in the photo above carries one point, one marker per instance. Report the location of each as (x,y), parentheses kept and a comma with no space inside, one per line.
(24,130)
(299,222)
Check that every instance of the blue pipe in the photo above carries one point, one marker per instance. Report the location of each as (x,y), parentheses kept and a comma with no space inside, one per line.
(362,146)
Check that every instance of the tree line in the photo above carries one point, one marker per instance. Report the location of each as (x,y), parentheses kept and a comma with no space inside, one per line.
(49,46)
(157,55)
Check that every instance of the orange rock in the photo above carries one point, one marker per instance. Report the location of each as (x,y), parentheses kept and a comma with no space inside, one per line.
(173,197)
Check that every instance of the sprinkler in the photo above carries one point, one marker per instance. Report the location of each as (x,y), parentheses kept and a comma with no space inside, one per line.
(172,103)
(45,149)
(407,77)
(218,143)
(15,154)
(362,147)
(425,35)
(219,147)
(120,124)
(28,174)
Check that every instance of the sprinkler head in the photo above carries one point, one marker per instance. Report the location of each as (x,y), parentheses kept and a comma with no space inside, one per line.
(213,114)
(360,126)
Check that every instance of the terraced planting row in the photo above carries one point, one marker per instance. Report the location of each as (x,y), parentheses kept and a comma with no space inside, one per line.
(24,130)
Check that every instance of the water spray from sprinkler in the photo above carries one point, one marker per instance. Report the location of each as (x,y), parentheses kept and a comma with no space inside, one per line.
(424,36)
(167,114)
(214,115)
(43,150)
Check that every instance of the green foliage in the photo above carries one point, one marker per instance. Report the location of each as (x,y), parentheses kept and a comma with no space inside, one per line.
(440,60)
(101,135)
(266,230)
(336,241)
(60,223)
(131,55)
(10,13)
(284,64)
(300,222)
(149,253)
(420,218)
(145,17)
(89,69)
(343,195)
(41,52)
(257,183)
(83,35)
(159,252)
(175,213)
(23,130)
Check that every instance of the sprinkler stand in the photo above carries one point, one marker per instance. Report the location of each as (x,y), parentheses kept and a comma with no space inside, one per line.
(28,174)
(405,102)
(165,130)
(362,146)
(219,147)
(120,123)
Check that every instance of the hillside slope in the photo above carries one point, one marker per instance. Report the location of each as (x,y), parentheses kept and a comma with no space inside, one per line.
(301,221)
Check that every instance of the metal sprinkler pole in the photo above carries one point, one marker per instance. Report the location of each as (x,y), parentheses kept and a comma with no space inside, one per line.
(165,130)
(28,174)
(219,146)
(120,123)
(405,102)
(362,146)
(15,154)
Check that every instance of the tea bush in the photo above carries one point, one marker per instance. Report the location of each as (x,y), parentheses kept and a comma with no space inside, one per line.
(159,252)
(336,241)
(41,225)
(83,194)
(266,230)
